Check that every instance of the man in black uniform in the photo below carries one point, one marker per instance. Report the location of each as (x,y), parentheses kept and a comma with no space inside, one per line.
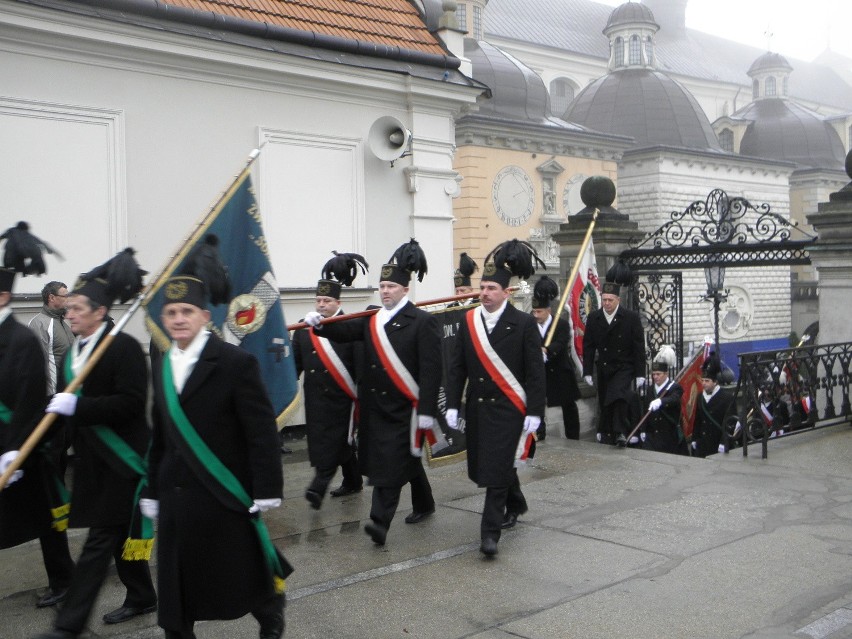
(215,466)
(499,357)
(461,280)
(398,390)
(331,373)
(662,431)
(110,436)
(28,510)
(714,406)
(615,334)
(561,380)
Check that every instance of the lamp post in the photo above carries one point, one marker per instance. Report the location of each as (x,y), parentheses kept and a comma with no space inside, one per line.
(715,277)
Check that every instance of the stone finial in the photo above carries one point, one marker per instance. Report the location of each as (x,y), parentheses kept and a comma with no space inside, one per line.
(448,18)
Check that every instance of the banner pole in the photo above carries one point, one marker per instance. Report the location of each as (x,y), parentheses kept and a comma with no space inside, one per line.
(570,283)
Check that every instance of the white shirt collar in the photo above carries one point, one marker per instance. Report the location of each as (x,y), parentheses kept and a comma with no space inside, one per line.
(491,319)
(4,313)
(184,361)
(81,355)
(542,328)
(707,397)
(609,317)
(385,315)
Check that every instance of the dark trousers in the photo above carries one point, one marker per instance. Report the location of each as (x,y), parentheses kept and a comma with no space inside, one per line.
(386,499)
(500,500)
(103,545)
(570,419)
(349,468)
(270,616)
(615,419)
(57,559)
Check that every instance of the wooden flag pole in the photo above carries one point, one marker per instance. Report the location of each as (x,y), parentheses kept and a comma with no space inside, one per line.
(570,283)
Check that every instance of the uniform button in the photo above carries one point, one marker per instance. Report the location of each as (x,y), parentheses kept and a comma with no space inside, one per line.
(372,390)
(491,400)
(384,392)
(480,400)
(481,380)
(313,370)
(372,365)
(313,352)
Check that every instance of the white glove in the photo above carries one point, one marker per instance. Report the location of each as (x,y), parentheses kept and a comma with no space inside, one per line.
(694,445)
(633,440)
(424,422)
(588,380)
(721,448)
(150,507)
(6,460)
(544,356)
(452,417)
(313,318)
(640,382)
(782,378)
(263,505)
(63,404)
(531,423)
(655,404)
(643,437)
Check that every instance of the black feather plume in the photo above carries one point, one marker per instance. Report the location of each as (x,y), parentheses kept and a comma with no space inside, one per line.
(466,265)
(517,257)
(620,273)
(122,275)
(545,290)
(24,250)
(411,258)
(205,263)
(343,267)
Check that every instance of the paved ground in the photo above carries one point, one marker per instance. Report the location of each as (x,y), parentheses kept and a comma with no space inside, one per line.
(617,543)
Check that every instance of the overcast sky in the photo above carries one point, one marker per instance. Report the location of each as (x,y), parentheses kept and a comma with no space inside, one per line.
(801,30)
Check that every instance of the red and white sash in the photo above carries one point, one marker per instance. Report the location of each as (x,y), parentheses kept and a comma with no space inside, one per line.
(502,376)
(408,386)
(339,373)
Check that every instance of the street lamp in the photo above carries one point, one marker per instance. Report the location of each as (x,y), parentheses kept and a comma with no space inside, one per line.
(715,277)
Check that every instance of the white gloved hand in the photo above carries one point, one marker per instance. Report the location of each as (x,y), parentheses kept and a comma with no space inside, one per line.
(643,437)
(694,445)
(263,505)
(313,318)
(782,377)
(452,417)
(150,507)
(531,423)
(655,404)
(588,380)
(721,448)
(544,356)
(640,382)
(6,460)
(425,422)
(63,404)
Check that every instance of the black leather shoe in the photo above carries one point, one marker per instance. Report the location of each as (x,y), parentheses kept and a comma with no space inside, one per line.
(51,598)
(314,498)
(345,490)
(377,532)
(488,547)
(273,627)
(414,518)
(509,520)
(621,441)
(124,613)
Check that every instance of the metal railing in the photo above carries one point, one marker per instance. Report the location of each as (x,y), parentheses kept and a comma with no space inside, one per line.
(790,391)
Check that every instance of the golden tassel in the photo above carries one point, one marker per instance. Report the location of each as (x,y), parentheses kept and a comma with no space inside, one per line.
(137,549)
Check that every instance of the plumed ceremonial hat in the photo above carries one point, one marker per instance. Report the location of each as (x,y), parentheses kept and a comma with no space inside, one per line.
(202,278)
(665,359)
(407,259)
(711,368)
(341,270)
(544,292)
(618,275)
(514,257)
(466,268)
(23,254)
(119,278)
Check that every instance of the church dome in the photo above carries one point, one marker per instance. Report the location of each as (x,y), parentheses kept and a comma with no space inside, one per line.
(629,13)
(783,130)
(769,62)
(646,105)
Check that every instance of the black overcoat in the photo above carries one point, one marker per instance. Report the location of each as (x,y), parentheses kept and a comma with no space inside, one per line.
(662,428)
(327,406)
(384,442)
(114,395)
(209,557)
(559,367)
(24,505)
(620,349)
(493,423)
(709,421)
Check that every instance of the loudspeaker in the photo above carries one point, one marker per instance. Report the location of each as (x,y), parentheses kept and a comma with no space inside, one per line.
(388,138)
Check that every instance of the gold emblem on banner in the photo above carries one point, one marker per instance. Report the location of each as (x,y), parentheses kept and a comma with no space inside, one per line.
(176,290)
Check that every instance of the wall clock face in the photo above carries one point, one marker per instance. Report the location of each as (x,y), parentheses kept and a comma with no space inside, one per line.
(513,195)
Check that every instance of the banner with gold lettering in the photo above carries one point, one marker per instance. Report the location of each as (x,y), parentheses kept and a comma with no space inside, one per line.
(253,319)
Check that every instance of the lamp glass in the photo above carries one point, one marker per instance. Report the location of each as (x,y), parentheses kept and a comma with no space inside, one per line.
(715,276)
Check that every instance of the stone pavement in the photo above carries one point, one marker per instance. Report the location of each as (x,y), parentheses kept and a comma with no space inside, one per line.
(617,543)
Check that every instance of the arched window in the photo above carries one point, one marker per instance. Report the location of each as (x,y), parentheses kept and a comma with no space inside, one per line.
(477,22)
(635,52)
(561,94)
(619,52)
(726,140)
(649,50)
(461,16)
(770,86)
(755,90)
(784,85)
